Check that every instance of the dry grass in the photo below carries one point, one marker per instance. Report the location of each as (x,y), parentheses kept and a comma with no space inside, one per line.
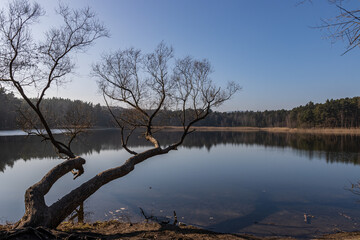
(6,227)
(336,131)
(146,230)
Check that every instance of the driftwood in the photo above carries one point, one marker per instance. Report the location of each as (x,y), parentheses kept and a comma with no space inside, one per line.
(157,219)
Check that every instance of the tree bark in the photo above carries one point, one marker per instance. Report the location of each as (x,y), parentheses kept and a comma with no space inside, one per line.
(37,213)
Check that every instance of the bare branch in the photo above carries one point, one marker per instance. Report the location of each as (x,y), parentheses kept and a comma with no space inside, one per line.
(124,140)
(183,86)
(344,27)
(28,66)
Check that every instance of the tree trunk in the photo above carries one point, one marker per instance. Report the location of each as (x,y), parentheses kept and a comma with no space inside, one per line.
(37,213)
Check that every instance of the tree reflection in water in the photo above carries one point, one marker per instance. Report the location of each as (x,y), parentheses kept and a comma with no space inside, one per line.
(332,148)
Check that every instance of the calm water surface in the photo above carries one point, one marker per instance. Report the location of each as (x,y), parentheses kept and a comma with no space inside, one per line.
(241,182)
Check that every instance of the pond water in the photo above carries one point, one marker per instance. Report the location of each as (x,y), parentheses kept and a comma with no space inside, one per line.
(240,182)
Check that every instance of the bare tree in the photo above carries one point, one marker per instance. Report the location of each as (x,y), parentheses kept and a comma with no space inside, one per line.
(32,66)
(148,85)
(155,85)
(29,66)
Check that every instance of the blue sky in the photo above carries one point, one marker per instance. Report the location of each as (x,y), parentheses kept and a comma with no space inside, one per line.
(268,46)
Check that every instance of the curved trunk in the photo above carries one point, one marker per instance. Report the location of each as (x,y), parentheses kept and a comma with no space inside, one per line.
(37,213)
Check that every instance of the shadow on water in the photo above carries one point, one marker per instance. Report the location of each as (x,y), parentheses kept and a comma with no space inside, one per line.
(267,218)
(263,207)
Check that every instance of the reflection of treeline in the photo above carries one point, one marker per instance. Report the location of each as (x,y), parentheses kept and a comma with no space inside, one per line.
(13,148)
(342,113)
(333,148)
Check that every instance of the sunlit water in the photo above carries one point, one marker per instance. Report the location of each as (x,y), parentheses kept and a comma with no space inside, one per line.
(258,183)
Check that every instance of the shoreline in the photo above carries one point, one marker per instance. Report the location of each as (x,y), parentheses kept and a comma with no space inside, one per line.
(328,131)
(333,131)
(146,230)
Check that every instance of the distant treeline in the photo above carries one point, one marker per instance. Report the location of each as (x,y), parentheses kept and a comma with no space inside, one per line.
(57,112)
(341,113)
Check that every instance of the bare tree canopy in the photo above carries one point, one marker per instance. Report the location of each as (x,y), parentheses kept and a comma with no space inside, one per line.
(154,85)
(33,66)
(147,86)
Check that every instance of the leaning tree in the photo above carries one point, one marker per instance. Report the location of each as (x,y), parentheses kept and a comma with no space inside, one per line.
(148,87)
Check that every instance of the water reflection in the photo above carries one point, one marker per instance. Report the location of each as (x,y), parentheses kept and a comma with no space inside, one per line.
(332,148)
(248,182)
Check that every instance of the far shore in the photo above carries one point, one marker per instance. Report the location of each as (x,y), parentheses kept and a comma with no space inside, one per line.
(329,131)
(336,131)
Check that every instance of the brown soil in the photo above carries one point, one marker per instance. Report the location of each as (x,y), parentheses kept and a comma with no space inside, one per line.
(118,230)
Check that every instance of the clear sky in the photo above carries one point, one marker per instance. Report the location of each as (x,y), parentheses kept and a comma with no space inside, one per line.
(268,46)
